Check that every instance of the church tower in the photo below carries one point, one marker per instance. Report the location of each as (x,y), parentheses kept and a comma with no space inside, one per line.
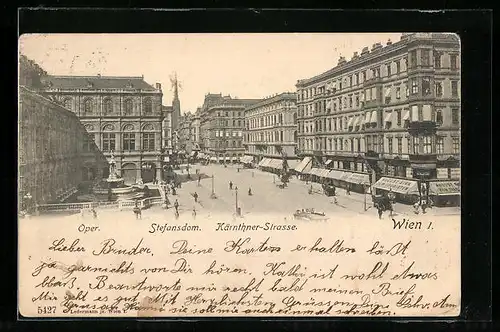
(176,104)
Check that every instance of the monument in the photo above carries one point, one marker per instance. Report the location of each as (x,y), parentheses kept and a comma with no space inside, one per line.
(113,186)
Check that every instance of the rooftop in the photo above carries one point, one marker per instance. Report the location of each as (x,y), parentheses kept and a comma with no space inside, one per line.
(97,82)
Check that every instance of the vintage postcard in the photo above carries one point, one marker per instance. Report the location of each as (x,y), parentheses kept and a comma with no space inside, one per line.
(239,175)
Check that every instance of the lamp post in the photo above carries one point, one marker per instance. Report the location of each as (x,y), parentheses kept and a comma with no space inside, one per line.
(236,202)
(212,195)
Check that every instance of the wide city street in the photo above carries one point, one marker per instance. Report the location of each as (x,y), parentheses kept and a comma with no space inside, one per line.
(267,200)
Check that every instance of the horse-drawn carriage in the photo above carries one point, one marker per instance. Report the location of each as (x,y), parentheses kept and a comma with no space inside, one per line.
(328,189)
(382,202)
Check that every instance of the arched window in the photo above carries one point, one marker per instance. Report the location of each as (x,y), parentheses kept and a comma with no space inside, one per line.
(108,106)
(129,107)
(148,107)
(68,103)
(87,105)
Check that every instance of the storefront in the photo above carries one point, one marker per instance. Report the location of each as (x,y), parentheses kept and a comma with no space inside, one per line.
(405,190)
(445,193)
(336,177)
(357,181)
(247,161)
(304,167)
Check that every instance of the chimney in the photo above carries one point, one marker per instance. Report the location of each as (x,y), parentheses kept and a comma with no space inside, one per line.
(389,42)
(341,61)
(365,50)
(355,55)
(99,75)
(158,86)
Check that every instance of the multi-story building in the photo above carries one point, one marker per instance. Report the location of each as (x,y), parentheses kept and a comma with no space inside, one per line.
(210,100)
(188,132)
(224,122)
(122,115)
(51,157)
(271,131)
(385,109)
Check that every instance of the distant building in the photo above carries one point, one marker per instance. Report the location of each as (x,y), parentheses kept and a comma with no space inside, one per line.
(121,114)
(188,133)
(271,131)
(384,110)
(222,122)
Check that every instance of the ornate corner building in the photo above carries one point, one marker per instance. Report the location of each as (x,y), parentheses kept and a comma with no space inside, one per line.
(392,111)
(121,114)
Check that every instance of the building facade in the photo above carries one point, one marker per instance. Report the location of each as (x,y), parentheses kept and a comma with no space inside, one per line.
(122,115)
(271,129)
(223,123)
(51,156)
(189,133)
(364,114)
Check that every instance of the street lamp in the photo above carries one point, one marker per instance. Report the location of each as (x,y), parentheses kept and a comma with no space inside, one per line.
(236,202)
(212,195)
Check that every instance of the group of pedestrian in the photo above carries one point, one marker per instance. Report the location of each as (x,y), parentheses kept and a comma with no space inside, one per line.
(231,185)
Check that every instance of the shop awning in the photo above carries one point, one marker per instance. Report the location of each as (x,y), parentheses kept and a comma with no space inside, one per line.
(233,158)
(323,172)
(373,118)
(303,165)
(335,174)
(328,162)
(313,171)
(388,117)
(355,123)
(275,163)
(367,117)
(406,117)
(246,159)
(349,123)
(444,188)
(358,178)
(292,163)
(207,157)
(213,158)
(387,92)
(192,153)
(400,186)
(414,113)
(262,162)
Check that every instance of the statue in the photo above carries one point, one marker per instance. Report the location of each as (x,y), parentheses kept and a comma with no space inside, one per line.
(112,166)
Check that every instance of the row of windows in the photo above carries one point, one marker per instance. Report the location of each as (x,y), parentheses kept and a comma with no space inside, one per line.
(231,114)
(269,120)
(275,136)
(227,144)
(108,107)
(357,100)
(393,67)
(108,142)
(236,123)
(221,133)
(421,145)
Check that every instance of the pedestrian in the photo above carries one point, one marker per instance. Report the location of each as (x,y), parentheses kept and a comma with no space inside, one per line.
(194,212)
(176,214)
(379,209)
(230,185)
(195,195)
(199,179)
(176,206)
(424,206)
(94,213)
(416,208)
(335,201)
(348,189)
(249,191)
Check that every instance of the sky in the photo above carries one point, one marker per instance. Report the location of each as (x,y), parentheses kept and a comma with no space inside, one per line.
(241,65)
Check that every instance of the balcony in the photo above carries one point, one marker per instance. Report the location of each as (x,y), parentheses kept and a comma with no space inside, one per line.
(372,81)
